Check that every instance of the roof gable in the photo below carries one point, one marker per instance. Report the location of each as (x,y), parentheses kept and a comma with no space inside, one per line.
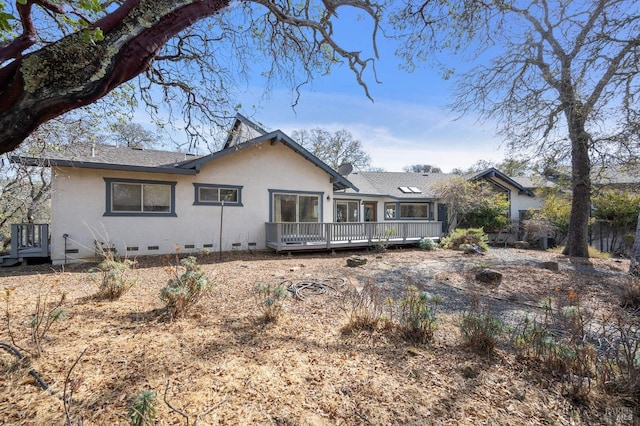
(492,172)
(338,181)
(242,131)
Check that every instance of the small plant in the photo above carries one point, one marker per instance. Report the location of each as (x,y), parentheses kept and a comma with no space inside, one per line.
(364,307)
(418,319)
(115,279)
(143,410)
(427,244)
(481,330)
(630,296)
(45,314)
(469,236)
(560,341)
(270,299)
(185,290)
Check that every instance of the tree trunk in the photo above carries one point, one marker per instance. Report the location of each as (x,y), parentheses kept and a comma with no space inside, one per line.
(634,268)
(578,236)
(72,72)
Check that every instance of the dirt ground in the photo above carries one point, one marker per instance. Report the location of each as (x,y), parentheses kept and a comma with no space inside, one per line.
(223,365)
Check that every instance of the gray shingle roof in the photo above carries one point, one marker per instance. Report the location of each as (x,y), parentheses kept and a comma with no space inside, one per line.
(389,183)
(88,155)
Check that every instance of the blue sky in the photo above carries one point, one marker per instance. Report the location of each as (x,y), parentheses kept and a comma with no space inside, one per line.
(406,124)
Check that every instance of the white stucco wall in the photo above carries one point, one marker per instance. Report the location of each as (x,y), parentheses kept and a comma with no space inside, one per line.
(79,203)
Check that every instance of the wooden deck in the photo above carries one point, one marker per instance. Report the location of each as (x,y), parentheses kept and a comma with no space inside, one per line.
(28,240)
(297,236)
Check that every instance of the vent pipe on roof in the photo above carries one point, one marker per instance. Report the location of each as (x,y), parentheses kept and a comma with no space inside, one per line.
(93,150)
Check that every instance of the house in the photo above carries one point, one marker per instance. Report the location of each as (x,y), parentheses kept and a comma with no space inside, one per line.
(413,196)
(261,190)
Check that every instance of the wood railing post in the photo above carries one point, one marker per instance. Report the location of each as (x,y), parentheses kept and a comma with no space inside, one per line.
(279,236)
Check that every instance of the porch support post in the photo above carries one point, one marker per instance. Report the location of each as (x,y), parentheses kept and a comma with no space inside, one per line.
(327,233)
(279,236)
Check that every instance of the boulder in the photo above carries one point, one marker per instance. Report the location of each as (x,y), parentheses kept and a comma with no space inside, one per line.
(521,245)
(354,261)
(489,276)
(552,266)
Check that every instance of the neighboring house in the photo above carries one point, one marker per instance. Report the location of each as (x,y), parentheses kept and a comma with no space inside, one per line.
(262,190)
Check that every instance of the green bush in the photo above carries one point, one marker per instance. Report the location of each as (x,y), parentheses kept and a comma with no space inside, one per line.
(143,410)
(468,236)
(418,319)
(115,279)
(481,330)
(427,244)
(184,291)
(271,299)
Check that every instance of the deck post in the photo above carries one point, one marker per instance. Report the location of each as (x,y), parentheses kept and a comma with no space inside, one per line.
(279,236)
(327,233)
(15,238)
(405,231)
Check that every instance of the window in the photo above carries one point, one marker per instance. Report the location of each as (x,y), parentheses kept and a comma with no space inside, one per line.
(129,197)
(416,211)
(214,195)
(390,211)
(296,207)
(347,211)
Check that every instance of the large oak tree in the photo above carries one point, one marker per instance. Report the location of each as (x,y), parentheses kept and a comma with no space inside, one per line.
(557,76)
(56,56)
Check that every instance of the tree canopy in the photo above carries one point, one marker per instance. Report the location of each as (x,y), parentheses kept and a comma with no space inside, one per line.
(335,148)
(557,77)
(183,57)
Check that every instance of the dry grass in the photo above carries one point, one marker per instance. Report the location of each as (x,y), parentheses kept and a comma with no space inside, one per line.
(301,370)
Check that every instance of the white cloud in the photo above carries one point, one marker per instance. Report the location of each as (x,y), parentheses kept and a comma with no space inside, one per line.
(394,133)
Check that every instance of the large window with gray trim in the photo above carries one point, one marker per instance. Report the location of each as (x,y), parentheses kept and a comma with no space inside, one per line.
(132,197)
(295,207)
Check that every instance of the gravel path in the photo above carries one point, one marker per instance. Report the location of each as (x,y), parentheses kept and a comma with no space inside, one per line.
(454,279)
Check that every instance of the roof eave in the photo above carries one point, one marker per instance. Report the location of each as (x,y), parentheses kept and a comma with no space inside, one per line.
(44,162)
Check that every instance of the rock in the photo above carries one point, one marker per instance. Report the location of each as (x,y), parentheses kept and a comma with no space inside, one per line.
(521,245)
(489,276)
(552,266)
(355,260)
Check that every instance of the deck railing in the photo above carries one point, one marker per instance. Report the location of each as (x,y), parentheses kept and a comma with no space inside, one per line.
(283,235)
(29,240)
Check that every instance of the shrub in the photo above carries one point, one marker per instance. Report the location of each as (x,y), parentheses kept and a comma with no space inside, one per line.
(462,236)
(115,279)
(630,296)
(418,314)
(427,244)
(271,299)
(364,307)
(481,330)
(143,410)
(560,341)
(184,291)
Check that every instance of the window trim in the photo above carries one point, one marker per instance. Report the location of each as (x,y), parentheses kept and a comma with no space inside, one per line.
(395,210)
(196,198)
(429,207)
(336,201)
(398,210)
(320,195)
(108,198)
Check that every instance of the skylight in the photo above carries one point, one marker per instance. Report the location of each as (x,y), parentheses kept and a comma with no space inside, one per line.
(410,189)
